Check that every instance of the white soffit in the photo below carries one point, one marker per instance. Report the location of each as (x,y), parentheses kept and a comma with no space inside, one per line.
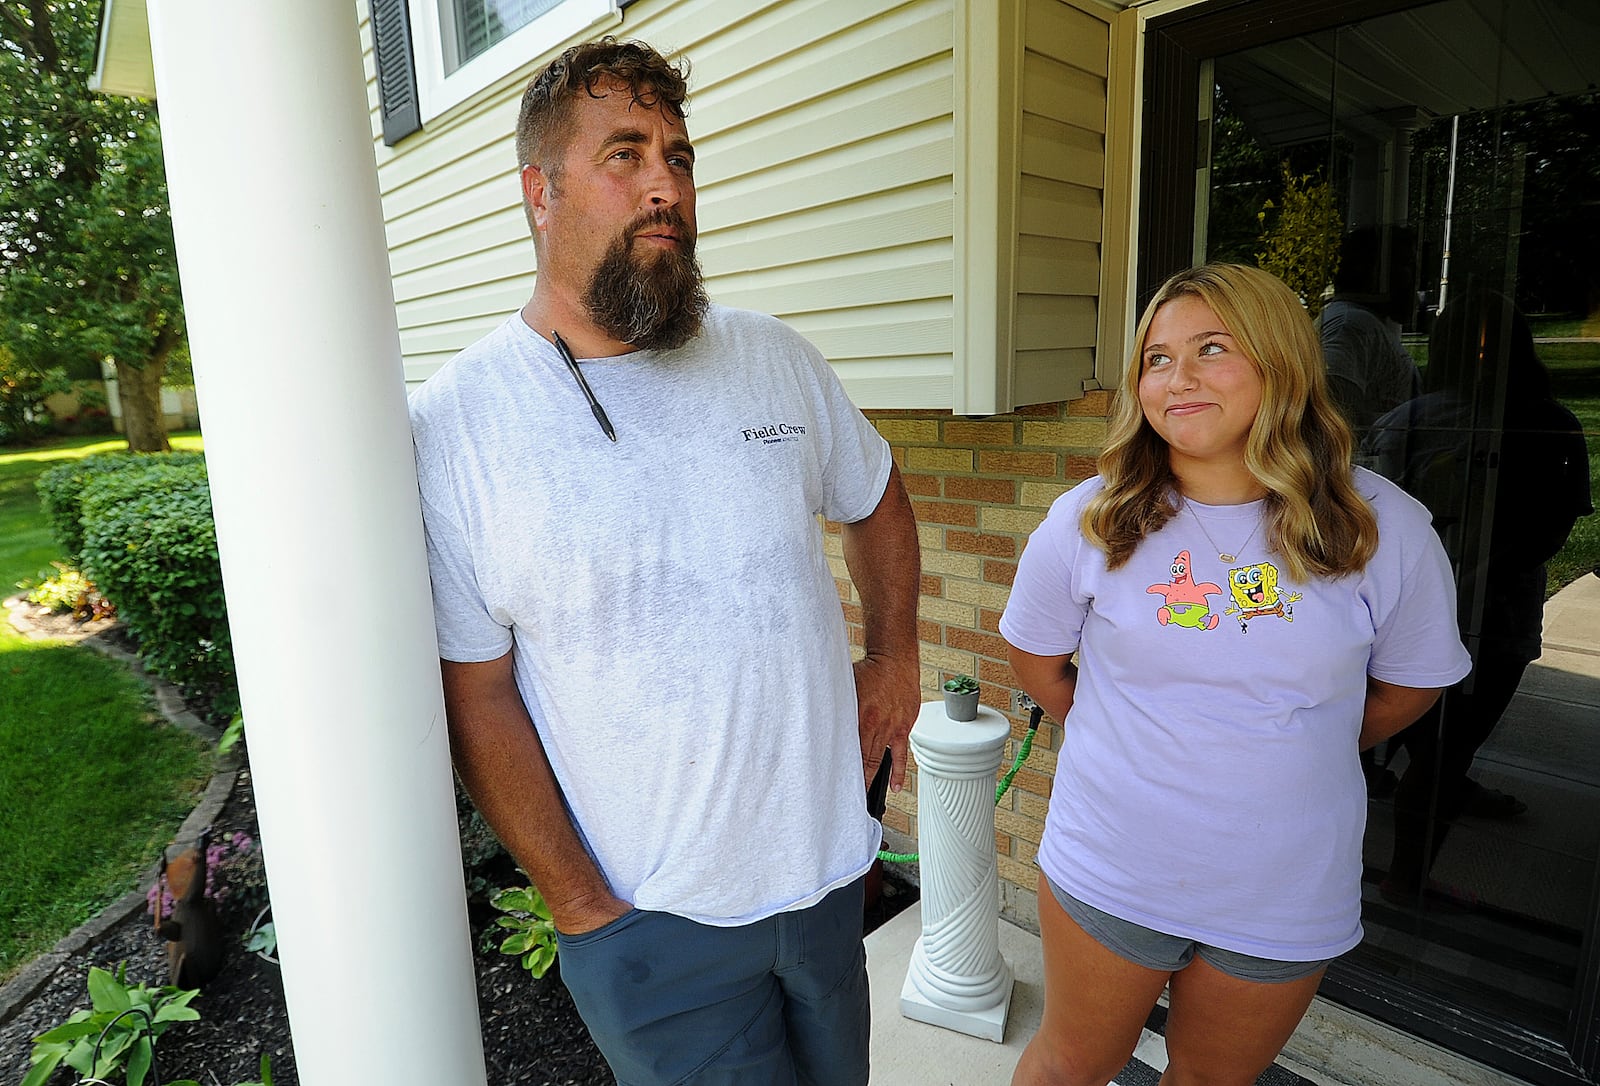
(122,65)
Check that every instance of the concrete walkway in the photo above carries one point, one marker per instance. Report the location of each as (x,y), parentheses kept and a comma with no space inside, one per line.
(1333,1046)
(1572,632)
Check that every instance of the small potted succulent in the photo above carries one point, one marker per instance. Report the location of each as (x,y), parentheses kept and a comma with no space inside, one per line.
(961,697)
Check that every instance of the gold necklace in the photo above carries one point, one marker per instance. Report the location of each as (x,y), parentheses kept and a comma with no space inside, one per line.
(1222,555)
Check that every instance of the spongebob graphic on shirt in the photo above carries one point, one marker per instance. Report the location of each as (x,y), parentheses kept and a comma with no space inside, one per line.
(1255,593)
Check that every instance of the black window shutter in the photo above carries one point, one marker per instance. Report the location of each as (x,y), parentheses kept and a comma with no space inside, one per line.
(397,74)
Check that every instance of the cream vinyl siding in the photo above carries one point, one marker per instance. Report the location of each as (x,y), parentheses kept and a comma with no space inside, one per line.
(1062,165)
(823,130)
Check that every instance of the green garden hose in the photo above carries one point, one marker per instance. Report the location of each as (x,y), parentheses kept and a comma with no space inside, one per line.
(1000,789)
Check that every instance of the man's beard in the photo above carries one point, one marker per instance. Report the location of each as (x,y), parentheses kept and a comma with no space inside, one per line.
(650,304)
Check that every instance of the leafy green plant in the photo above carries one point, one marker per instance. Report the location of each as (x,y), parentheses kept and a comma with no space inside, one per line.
(533,932)
(64,591)
(961,684)
(1300,245)
(232,734)
(262,938)
(119,1031)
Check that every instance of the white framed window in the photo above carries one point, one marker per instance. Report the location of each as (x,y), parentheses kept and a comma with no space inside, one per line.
(463,46)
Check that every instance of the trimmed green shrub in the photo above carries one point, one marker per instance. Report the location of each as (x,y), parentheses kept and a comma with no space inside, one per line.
(150,546)
(61,490)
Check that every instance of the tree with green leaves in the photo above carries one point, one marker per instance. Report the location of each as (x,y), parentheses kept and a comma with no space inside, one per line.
(1527,188)
(1300,234)
(87,263)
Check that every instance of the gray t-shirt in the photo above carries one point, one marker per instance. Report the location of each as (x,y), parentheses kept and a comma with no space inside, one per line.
(675,627)
(1369,369)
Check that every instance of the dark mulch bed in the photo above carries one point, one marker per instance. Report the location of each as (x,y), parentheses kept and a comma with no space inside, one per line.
(532,1034)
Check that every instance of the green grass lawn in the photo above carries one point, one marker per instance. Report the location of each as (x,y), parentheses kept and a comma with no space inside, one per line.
(1564,327)
(93,784)
(1575,378)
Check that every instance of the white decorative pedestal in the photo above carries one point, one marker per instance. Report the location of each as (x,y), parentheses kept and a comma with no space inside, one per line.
(957,978)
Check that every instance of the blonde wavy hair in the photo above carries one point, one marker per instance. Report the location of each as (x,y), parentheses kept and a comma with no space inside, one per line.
(1298,448)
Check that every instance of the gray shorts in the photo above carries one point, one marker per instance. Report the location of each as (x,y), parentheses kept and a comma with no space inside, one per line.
(1170,953)
(780,1002)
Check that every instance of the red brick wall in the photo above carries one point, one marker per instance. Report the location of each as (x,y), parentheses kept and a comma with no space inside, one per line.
(979,486)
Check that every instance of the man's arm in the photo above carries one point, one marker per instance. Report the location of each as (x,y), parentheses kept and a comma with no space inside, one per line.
(501,761)
(885,563)
(1390,708)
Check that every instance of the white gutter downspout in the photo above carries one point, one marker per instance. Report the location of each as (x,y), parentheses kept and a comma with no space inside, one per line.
(291,319)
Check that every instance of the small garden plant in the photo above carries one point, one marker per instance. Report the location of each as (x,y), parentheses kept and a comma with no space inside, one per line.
(117,1035)
(533,932)
(223,858)
(232,734)
(262,939)
(961,684)
(961,698)
(69,590)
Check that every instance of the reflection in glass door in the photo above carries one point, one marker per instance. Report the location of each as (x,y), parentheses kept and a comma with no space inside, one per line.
(1433,193)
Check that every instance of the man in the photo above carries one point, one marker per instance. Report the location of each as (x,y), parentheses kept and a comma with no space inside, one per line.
(646,669)
(1369,370)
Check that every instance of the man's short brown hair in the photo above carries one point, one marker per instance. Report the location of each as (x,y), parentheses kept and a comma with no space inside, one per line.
(545,119)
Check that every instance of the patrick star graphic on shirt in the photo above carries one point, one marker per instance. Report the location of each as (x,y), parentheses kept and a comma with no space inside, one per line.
(1186,601)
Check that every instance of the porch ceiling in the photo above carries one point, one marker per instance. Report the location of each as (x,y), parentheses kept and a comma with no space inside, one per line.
(1402,70)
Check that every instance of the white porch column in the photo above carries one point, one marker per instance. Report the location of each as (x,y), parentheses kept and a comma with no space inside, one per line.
(957,978)
(286,280)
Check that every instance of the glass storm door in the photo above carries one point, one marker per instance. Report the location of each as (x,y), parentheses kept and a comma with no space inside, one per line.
(1428,180)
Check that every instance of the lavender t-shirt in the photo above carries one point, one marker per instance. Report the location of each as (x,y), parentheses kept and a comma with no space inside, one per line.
(1208,784)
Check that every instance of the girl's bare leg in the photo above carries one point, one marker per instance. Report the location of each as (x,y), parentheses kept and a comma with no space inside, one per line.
(1223,1031)
(1095,1004)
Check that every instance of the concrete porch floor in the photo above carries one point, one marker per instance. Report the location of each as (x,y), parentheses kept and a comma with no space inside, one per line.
(1332,1047)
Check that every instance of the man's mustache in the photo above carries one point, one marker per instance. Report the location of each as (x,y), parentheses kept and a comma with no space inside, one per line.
(665,216)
